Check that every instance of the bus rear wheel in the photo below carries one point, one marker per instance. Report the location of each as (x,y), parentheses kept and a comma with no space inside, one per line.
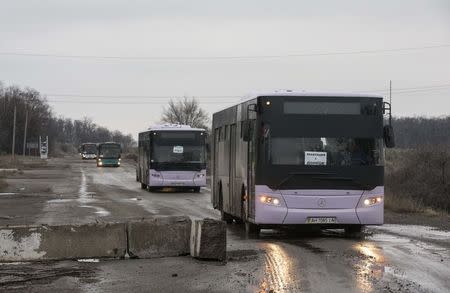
(252,229)
(227,218)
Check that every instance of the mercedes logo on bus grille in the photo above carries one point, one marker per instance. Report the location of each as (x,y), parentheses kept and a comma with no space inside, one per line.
(321,202)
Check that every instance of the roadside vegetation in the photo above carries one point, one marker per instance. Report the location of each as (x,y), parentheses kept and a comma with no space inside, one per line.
(418,180)
(65,135)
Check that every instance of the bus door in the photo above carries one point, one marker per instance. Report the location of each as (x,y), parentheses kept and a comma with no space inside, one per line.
(217,200)
(235,196)
(251,164)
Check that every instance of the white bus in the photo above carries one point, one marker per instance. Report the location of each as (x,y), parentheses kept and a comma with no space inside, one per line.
(172,155)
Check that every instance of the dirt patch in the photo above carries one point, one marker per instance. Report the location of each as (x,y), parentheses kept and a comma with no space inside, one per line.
(20,276)
(427,218)
(3,185)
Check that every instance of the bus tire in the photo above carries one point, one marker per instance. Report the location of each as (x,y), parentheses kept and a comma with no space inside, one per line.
(227,218)
(252,229)
(353,230)
(196,189)
(143,186)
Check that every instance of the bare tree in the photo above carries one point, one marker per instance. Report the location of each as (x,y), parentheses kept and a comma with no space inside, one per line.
(186,111)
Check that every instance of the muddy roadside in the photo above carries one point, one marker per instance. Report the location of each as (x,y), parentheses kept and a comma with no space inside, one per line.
(439,221)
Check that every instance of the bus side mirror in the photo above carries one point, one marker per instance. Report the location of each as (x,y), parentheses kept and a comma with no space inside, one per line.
(246,131)
(388,135)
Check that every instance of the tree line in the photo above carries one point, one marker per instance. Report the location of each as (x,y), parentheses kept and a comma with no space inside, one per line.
(33,109)
(31,106)
(415,132)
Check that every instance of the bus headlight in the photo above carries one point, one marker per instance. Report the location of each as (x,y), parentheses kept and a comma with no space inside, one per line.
(100,163)
(370,201)
(270,200)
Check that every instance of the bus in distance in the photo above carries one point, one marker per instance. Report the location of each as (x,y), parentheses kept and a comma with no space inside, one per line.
(299,158)
(109,154)
(88,151)
(172,155)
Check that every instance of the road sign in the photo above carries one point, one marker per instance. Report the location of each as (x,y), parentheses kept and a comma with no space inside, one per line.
(43,142)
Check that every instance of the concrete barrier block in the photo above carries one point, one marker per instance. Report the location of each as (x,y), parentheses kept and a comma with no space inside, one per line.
(159,237)
(28,243)
(209,239)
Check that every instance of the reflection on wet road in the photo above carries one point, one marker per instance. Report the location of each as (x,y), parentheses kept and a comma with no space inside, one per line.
(370,267)
(279,276)
(328,261)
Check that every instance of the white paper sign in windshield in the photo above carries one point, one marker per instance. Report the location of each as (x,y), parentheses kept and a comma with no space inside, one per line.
(178,149)
(315,158)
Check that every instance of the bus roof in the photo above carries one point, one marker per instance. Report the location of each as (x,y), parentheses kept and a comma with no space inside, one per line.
(109,142)
(173,127)
(303,93)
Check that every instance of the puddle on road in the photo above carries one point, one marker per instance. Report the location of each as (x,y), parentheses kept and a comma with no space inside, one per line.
(84,198)
(279,274)
(370,265)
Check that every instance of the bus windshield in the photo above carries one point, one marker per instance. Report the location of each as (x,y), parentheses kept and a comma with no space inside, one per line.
(90,148)
(109,151)
(178,147)
(325,151)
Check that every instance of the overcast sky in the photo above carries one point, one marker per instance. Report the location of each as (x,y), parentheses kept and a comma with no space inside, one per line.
(208,28)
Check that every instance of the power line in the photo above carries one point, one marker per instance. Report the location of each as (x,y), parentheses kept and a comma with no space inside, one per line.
(174,97)
(242,57)
(136,96)
(128,103)
(408,89)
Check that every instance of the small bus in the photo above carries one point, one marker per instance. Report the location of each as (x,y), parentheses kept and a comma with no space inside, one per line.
(301,158)
(88,151)
(172,155)
(109,154)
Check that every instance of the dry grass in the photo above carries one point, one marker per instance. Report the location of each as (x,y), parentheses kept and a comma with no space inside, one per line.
(19,162)
(418,180)
(402,204)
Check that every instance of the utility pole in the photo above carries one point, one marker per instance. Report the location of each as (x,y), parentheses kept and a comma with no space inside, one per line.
(25,132)
(390,100)
(390,91)
(14,133)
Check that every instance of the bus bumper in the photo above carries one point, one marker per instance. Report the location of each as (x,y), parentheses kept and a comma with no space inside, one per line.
(290,212)
(177,178)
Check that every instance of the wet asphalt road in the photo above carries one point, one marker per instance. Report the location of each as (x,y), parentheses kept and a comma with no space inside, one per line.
(390,258)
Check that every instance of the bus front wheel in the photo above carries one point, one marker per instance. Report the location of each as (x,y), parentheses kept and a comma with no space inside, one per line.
(143,186)
(196,189)
(353,229)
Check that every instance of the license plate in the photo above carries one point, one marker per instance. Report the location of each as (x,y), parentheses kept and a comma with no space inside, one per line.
(321,220)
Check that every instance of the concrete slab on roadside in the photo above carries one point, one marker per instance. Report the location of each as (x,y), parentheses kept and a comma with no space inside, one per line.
(159,237)
(32,243)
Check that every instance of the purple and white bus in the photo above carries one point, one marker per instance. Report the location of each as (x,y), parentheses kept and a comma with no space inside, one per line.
(288,158)
(172,155)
